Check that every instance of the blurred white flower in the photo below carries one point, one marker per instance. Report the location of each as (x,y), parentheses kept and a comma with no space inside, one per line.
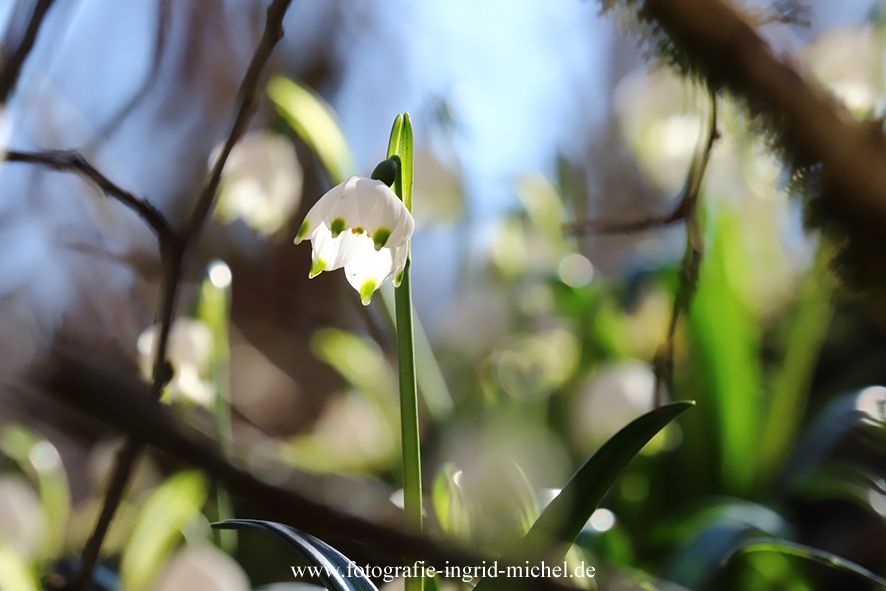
(22,520)
(848,61)
(202,567)
(261,183)
(189,352)
(616,395)
(363,226)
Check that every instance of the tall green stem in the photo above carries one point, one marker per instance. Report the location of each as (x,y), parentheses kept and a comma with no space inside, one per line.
(401,145)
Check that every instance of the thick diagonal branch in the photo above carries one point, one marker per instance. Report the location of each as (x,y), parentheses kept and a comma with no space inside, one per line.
(83,383)
(816,135)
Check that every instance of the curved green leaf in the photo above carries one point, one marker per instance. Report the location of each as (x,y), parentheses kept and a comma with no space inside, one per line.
(316,123)
(333,565)
(40,461)
(555,530)
(166,512)
(15,572)
(809,553)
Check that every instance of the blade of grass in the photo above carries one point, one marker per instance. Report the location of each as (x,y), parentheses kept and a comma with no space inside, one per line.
(809,553)
(214,309)
(555,530)
(336,570)
(807,334)
(41,463)
(725,337)
(169,509)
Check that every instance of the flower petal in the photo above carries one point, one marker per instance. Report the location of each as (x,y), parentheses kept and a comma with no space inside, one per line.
(403,230)
(399,256)
(381,212)
(330,253)
(368,268)
(316,214)
(342,213)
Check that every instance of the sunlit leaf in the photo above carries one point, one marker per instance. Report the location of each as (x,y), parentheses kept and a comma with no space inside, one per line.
(809,553)
(448,500)
(807,334)
(560,523)
(213,308)
(406,158)
(41,462)
(167,511)
(334,567)
(15,572)
(315,122)
(725,337)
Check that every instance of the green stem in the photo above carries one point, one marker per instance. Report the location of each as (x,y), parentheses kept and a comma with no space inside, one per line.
(401,145)
(214,310)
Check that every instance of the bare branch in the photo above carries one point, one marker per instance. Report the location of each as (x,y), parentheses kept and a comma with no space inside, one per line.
(837,161)
(173,253)
(664,359)
(10,70)
(628,226)
(73,161)
(248,97)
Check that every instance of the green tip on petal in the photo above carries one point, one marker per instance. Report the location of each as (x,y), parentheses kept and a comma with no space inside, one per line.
(338,226)
(398,279)
(317,268)
(303,231)
(366,291)
(380,238)
(358,230)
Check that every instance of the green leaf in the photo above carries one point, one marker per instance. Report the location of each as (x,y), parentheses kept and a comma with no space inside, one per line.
(406,161)
(41,462)
(334,566)
(213,308)
(809,553)
(396,134)
(15,572)
(315,122)
(725,339)
(449,503)
(167,511)
(807,334)
(563,519)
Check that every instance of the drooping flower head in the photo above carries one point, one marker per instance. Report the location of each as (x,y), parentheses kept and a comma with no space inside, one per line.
(363,226)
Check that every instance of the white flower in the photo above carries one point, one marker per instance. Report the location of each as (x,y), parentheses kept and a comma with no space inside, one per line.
(261,183)
(189,350)
(363,226)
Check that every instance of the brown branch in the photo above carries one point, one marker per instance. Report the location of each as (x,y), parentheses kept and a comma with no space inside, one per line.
(11,69)
(124,402)
(248,97)
(628,226)
(73,161)
(664,358)
(173,253)
(838,161)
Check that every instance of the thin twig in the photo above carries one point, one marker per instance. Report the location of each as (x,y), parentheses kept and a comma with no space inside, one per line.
(11,69)
(628,226)
(73,161)
(248,97)
(173,254)
(664,359)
